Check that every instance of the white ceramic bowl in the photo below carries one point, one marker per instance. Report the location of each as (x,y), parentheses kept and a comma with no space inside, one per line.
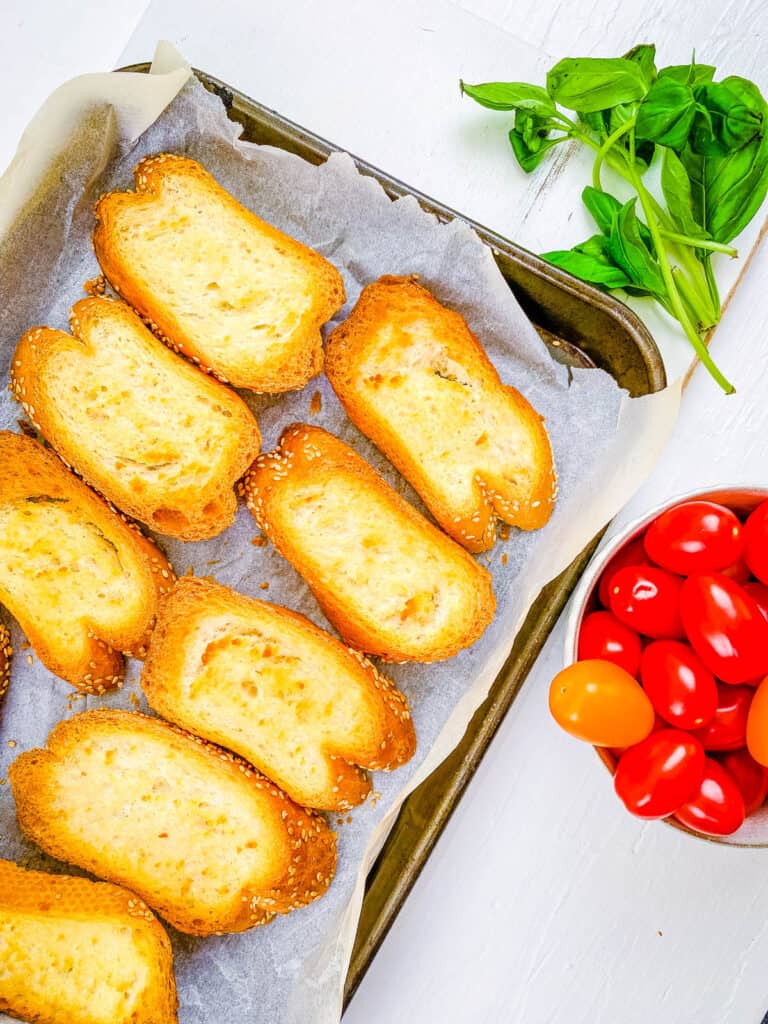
(742,499)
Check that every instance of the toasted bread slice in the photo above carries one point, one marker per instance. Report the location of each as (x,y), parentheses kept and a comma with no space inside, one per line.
(196,832)
(267,683)
(6,652)
(413,378)
(81,582)
(390,582)
(156,437)
(74,951)
(219,284)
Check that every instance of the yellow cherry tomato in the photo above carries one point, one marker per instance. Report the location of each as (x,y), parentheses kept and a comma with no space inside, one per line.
(600,702)
(757,724)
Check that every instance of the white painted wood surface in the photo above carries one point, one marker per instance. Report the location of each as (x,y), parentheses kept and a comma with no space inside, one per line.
(543,902)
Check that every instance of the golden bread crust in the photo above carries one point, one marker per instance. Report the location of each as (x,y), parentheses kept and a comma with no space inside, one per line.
(389,581)
(210,844)
(160,440)
(49,975)
(82,582)
(267,683)
(6,653)
(273,290)
(413,378)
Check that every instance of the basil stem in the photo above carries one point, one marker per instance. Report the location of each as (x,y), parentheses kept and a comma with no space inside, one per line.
(604,149)
(674,295)
(700,243)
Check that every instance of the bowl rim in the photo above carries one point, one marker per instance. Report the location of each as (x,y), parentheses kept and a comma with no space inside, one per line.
(749,494)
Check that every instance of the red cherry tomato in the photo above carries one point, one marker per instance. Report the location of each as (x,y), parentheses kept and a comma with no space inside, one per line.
(603,636)
(696,536)
(648,600)
(738,572)
(756,542)
(728,728)
(658,725)
(632,553)
(717,807)
(759,594)
(682,689)
(725,627)
(656,776)
(749,776)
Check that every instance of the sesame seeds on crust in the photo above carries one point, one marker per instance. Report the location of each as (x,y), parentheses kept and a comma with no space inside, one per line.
(6,654)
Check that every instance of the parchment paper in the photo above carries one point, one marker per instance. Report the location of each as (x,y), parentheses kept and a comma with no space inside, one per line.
(292,971)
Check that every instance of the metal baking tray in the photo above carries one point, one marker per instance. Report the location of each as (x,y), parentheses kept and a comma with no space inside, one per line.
(581,326)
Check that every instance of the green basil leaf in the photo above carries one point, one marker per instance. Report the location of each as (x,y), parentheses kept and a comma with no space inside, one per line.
(676,186)
(666,114)
(688,74)
(595,245)
(602,206)
(629,251)
(645,55)
(747,93)
(589,267)
(728,190)
(746,118)
(587,84)
(527,157)
(605,208)
(693,163)
(596,121)
(511,96)
(533,129)
(727,116)
(644,152)
(703,139)
(619,115)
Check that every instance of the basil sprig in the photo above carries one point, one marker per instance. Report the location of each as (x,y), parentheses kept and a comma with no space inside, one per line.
(710,140)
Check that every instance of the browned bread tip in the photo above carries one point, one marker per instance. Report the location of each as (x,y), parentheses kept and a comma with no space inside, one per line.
(82,583)
(74,951)
(158,438)
(215,281)
(268,684)
(199,834)
(413,378)
(389,581)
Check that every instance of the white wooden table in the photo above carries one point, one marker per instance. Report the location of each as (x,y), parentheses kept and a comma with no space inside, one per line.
(543,902)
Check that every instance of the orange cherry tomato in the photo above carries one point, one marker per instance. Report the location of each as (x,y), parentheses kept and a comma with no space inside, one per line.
(599,702)
(757,724)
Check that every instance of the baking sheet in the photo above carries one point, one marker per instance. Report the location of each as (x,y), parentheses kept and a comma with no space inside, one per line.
(293,970)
